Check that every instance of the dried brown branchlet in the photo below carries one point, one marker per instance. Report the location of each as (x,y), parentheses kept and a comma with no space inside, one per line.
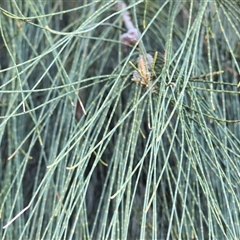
(145,73)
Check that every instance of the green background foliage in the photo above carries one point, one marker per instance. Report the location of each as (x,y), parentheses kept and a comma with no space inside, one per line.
(90,154)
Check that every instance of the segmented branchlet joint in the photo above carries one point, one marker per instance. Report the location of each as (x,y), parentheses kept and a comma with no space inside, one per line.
(145,74)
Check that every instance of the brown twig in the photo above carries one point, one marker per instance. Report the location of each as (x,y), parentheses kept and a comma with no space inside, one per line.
(132,35)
